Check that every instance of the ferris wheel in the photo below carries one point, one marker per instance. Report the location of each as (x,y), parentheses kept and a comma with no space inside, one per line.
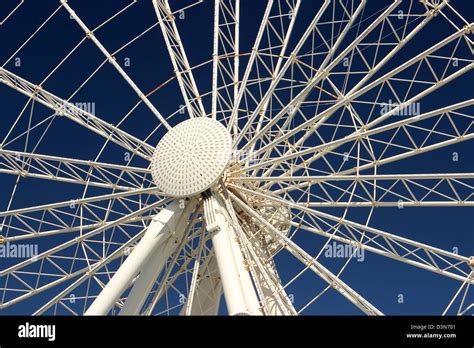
(225,188)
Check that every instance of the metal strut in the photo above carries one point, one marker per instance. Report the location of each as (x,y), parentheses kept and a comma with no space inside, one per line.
(145,261)
(239,291)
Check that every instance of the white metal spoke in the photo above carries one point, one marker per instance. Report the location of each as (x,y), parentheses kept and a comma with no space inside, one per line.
(159,235)
(112,60)
(314,265)
(409,251)
(402,190)
(226,54)
(208,289)
(75,215)
(324,70)
(319,151)
(463,289)
(73,171)
(168,279)
(86,274)
(313,123)
(74,113)
(85,236)
(63,268)
(277,13)
(238,289)
(179,59)
(275,300)
(283,70)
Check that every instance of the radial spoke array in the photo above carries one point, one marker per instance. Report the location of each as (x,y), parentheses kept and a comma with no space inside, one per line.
(54,266)
(69,216)
(266,59)
(112,60)
(329,105)
(374,190)
(444,262)
(76,114)
(111,176)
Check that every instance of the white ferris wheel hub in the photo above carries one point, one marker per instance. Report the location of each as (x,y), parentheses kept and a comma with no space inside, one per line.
(191,157)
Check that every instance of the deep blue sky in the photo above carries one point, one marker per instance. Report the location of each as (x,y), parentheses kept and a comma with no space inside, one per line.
(380,280)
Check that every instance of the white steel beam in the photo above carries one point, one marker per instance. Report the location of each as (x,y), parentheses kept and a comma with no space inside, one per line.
(112,60)
(85,236)
(350,96)
(67,216)
(168,279)
(392,250)
(76,114)
(182,69)
(225,67)
(162,228)
(239,292)
(85,274)
(356,90)
(407,247)
(284,46)
(376,190)
(366,131)
(275,300)
(72,170)
(311,262)
(283,70)
(154,266)
(208,290)
(362,177)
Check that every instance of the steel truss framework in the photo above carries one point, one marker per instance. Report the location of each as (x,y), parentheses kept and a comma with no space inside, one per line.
(316,111)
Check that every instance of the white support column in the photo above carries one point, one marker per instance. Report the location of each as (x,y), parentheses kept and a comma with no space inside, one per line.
(146,279)
(239,293)
(154,266)
(157,236)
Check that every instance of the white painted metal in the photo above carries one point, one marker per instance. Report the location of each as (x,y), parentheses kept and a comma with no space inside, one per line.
(179,59)
(406,244)
(161,232)
(154,266)
(112,60)
(71,170)
(191,157)
(351,96)
(315,266)
(207,296)
(288,150)
(238,290)
(86,119)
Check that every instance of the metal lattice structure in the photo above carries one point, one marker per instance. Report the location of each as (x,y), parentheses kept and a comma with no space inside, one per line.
(289,141)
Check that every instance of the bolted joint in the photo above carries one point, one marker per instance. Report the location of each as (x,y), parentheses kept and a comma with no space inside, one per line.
(325,74)
(470,262)
(246,265)
(469,28)
(434,12)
